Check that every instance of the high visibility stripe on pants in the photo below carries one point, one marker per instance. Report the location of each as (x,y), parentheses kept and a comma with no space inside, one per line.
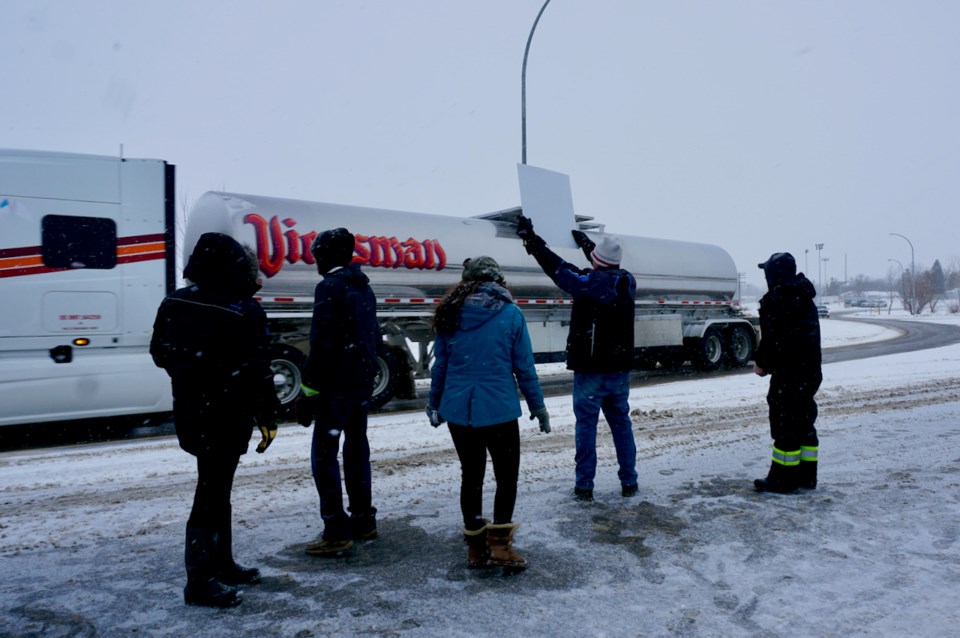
(809,453)
(790,459)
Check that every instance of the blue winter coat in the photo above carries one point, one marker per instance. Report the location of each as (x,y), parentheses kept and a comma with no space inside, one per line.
(472,381)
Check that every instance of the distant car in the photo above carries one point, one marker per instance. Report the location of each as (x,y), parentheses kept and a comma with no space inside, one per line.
(823,311)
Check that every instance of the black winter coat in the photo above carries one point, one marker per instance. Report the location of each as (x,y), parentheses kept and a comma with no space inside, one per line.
(343,337)
(212,339)
(789,327)
(601,323)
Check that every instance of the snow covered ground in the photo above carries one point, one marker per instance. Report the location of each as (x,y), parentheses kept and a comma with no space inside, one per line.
(91,536)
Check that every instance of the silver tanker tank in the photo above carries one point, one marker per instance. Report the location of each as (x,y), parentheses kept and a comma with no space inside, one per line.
(421,255)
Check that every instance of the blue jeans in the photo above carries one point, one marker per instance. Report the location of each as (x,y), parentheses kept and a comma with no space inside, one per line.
(610,392)
(350,418)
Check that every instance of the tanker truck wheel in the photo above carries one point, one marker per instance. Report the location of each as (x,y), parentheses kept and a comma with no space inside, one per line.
(739,347)
(387,380)
(287,362)
(708,350)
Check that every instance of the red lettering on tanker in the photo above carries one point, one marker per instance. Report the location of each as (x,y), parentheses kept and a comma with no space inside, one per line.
(275,245)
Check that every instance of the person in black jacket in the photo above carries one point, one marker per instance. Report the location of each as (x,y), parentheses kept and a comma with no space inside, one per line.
(789,352)
(211,337)
(599,349)
(337,385)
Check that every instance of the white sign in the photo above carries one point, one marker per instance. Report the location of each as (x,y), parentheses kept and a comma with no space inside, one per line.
(546,199)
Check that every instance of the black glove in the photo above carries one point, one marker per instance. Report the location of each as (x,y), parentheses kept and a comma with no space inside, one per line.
(306,410)
(584,242)
(434,415)
(525,228)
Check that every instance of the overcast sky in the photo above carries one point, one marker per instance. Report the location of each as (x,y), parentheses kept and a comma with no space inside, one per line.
(759,126)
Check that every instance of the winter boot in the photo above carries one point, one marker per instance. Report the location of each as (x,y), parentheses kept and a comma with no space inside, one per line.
(807,475)
(228,571)
(202,587)
(782,479)
(364,526)
(329,548)
(476,541)
(500,542)
(335,541)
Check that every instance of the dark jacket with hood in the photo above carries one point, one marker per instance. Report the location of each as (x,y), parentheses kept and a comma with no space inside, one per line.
(343,337)
(472,379)
(601,324)
(789,324)
(212,339)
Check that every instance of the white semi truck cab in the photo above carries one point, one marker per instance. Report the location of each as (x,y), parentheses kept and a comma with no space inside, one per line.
(86,256)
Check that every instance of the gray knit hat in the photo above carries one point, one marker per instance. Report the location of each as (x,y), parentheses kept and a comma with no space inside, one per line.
(607,253)
(482,268)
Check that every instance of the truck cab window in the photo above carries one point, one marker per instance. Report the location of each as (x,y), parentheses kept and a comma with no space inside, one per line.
(79,242)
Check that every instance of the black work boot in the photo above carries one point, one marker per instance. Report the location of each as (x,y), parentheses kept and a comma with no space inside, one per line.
(228,571)
(202,587)
(582,494)
(782,479)
(363,527)
(807,475)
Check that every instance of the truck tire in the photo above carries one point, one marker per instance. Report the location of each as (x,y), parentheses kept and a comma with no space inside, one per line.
(287,364)
(389,372)
(739,347)
(708,350)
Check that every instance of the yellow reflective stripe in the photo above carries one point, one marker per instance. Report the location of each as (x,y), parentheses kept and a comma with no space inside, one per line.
(808,452)
(308,392)
(786,458)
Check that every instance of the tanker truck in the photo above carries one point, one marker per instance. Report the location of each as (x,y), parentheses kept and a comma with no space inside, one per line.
(685,302)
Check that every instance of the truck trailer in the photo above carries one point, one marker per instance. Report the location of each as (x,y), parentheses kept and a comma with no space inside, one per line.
(686,305)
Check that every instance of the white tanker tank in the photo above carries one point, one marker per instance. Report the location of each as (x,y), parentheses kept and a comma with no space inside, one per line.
(685,303)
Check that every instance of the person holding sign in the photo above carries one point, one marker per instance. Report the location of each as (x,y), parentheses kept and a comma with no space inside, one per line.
(599,349)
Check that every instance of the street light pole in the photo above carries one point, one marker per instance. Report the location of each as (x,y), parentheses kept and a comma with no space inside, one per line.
(819,247)
(523,87)
(825,260)
(901,279)
(806,261)
(913,275)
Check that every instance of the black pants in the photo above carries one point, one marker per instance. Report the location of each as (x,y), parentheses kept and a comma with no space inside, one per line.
(793,410)
(349,418)
(211,502)
(472,444)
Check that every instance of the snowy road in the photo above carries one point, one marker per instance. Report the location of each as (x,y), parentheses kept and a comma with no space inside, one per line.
(91,537)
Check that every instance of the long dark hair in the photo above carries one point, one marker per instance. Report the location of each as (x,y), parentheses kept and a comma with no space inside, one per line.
(446,319)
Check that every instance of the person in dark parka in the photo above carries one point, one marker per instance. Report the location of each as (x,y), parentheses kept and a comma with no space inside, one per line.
(789,352)
(212,339)
(337,385)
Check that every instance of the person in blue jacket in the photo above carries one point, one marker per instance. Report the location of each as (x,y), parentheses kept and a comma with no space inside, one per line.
(599,349)
(481,346)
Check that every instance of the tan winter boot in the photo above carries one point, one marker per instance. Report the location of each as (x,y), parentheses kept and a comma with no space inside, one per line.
(500,541)
(476,542)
